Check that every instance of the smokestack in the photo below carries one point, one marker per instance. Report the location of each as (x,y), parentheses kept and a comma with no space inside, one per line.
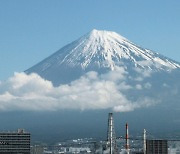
(111,132)
(127,139)
(111,137)
(144,147)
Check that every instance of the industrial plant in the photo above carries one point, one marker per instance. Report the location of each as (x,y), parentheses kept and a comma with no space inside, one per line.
(114,144)
(18,142)
(148,146)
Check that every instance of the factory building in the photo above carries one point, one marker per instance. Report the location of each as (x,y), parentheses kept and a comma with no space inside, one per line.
(156,147)
(15,142)
(37,149)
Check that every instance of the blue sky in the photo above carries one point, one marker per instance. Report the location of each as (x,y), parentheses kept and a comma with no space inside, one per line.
(32,30)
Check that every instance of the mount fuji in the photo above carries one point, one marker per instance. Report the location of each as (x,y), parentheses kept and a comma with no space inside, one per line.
(98,73)
(99,51)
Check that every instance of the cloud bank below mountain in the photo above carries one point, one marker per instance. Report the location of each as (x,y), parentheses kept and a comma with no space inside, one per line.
(89,92)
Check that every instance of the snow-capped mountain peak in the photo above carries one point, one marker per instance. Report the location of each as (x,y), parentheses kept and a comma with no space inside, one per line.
(109,49)
(102,50)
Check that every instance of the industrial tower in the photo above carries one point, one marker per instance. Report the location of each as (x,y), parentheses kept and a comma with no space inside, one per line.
(111,137)
(144,140)
(127,139)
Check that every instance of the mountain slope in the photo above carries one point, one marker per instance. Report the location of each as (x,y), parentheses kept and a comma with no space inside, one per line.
(126,78)
(99,51)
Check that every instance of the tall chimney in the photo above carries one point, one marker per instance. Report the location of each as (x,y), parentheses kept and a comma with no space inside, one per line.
(111,137)
(144,138)
(127,139)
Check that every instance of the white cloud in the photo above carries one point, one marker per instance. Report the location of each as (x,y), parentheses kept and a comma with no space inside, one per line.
(138,87)
(147,85)
(143,72)
(140,103)
(139,79)
(125,108)
(119,73)
(91,91)
(165,85)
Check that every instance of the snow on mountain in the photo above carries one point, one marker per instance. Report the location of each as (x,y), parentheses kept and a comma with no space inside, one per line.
(101,71)
(107,49)
(101,49)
